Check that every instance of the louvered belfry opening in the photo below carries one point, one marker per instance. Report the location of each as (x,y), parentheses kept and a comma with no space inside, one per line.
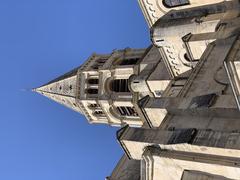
(127,111)
(120,85)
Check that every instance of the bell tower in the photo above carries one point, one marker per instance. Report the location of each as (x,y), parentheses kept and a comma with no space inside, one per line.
(99,88)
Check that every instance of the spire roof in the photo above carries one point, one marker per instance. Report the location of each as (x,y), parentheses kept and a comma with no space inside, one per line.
(62,90)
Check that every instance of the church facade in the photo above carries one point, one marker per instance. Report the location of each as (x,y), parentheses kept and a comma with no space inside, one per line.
(177,102)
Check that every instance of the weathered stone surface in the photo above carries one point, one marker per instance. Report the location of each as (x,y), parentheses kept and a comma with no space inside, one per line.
(180,96)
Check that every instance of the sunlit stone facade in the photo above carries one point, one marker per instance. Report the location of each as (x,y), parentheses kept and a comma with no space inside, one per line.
(177,102)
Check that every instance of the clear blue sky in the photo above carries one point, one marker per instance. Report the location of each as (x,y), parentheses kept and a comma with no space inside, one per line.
(40,40)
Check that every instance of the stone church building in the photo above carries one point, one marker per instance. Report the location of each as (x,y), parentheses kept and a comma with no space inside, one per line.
(177,102)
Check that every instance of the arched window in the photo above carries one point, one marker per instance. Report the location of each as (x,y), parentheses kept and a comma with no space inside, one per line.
(175,3)
(127,111)
(93,81)
(92,91)
(119,85)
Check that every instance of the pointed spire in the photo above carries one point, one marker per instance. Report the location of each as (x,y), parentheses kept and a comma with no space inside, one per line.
(62,90)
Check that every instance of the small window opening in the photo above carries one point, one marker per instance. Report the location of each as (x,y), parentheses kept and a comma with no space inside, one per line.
(94,106)
(92,91)
(70,87)
(93,81)
(98,112)
(60,87)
